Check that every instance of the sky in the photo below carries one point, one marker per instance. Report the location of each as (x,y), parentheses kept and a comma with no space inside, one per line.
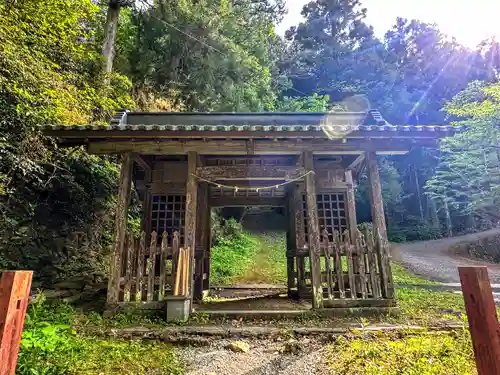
(469,22)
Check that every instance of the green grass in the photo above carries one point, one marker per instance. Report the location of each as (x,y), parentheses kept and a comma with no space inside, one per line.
(268,265)
(426,307)
(385,354)
(248,258)
(51,346)
(446,353)
(422,306)
(231,256)
(402,276)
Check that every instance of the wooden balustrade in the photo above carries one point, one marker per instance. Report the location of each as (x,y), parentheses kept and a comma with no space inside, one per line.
(352,267)
(150,266)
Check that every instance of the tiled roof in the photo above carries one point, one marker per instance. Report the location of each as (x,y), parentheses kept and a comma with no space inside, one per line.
(371,121)
(266,128)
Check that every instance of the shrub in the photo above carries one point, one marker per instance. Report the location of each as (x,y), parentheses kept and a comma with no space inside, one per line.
(413,229)
(486,248)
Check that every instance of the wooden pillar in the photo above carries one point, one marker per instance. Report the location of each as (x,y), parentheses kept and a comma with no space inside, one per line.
(120,229)
(146,211)
(313,232)
(350,208)
(291,246)
(377,205)
(14,294)
(300,242)
(208,243)
(351,204)
(482,317)
(201,243)
(190,220)
(379,227)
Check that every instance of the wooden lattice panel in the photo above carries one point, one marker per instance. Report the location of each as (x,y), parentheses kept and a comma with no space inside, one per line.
(331,213)
(168,213)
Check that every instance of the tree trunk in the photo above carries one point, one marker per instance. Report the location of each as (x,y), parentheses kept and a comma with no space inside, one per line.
(433,213)
(417,188)
(449,228)
(110,29)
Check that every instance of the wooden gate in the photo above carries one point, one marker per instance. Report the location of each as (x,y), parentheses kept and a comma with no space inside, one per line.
(152,271)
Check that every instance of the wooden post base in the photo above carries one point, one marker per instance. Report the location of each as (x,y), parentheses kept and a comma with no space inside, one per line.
(14,294)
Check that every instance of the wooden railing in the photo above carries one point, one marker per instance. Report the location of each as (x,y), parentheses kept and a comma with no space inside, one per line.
(150,268)
(356,268)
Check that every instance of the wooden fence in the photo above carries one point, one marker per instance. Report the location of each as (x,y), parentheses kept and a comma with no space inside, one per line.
(356,268)
(150,268)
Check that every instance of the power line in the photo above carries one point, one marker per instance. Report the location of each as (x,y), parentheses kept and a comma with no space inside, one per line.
(144,2)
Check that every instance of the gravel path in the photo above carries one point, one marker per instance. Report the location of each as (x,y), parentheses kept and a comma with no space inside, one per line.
(432,259)
(266,357)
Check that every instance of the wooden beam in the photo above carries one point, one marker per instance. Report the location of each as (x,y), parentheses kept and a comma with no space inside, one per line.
(119,234)
(249,172)
(247,201)
(260,147)
(190,219)
(482,317)
(14,294)
(146,165)
(313,232)
(357,162)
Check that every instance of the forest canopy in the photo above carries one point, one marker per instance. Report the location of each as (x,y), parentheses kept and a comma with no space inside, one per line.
(56,205)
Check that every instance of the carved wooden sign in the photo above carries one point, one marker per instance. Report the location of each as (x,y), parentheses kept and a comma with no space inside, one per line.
(249,172)
(330,178)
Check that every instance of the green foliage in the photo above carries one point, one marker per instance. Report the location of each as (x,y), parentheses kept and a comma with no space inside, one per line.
(55,204)
(314,103)
(389,354)
(50,346)
(467,176)
(411,229)
(232,252)
(225,63)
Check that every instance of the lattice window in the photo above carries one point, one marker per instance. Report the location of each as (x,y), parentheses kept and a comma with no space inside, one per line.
(331,213)
(167,215)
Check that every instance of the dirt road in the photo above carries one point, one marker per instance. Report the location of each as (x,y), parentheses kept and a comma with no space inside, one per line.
(432,260)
